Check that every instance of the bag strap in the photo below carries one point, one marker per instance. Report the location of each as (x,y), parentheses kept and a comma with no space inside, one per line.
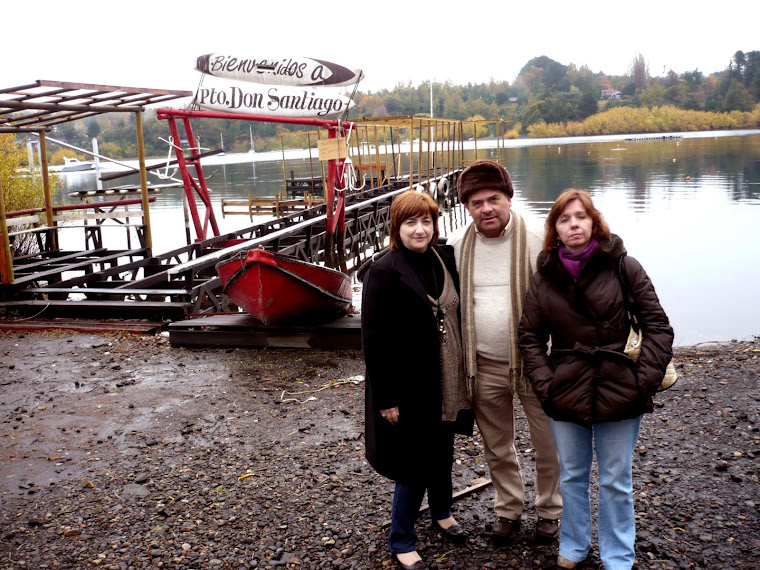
(628,301)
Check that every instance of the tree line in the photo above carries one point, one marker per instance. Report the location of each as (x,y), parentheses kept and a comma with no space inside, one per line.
(547,98)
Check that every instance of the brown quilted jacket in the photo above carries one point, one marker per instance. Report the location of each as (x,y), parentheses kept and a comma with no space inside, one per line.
(586,378)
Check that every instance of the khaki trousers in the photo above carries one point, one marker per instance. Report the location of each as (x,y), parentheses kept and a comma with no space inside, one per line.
(494,413)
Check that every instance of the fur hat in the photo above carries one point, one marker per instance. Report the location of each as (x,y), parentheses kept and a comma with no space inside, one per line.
(484,175)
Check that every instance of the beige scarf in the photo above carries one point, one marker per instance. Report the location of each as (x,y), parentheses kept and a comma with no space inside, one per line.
(520,273)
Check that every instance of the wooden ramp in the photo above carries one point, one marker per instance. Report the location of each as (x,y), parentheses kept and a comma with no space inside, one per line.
(80,325)
(241,330)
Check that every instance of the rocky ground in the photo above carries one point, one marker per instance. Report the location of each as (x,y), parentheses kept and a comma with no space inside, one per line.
(123,452)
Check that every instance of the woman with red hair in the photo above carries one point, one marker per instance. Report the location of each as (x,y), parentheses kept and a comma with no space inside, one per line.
(415,391)
(594,394)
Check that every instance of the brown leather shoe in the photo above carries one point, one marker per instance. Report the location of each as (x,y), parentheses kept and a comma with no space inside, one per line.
(547,529)
(504,529)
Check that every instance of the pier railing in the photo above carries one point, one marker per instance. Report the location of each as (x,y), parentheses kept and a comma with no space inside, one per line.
(30,232)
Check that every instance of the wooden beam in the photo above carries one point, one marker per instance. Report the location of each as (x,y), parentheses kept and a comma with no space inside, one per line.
(6,256)
(81,325)
(93,87)
(143,179)
(172,162)
(80,265)
(65,107)
(458,495)
(48,191)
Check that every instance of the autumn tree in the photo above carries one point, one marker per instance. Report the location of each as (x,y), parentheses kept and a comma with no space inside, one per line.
(639,72)
(475,126)
(588,105)
(653,95)
(752,73)
(582,78)
(20,183)
(740,61)
(737,98)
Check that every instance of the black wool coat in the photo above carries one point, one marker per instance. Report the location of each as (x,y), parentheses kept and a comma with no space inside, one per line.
(587,378)
(401,347)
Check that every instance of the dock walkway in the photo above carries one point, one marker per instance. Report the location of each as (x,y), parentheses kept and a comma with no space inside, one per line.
(181,285)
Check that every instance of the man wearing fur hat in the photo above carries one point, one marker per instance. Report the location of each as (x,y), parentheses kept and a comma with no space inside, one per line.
(495,256)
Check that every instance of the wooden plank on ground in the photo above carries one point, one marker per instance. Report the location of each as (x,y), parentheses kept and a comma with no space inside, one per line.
(242,330)
(97,309)
(80,325)
(107,291)
(85,304)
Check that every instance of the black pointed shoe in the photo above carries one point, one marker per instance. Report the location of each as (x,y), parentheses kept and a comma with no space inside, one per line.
(455,533)
(419,565)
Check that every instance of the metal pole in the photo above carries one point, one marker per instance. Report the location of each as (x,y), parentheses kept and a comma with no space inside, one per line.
(98,181)
(431,98)
(330,253)
(30,155)
(284,166)
(100,156)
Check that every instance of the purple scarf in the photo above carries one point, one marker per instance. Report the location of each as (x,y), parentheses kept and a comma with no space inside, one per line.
(574,262)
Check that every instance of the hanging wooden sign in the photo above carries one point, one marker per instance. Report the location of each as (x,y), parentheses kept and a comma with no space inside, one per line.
(332,149)
(299,71)
(269,100)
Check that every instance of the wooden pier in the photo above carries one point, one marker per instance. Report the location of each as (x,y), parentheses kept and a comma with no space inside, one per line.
(182,283)
(296,186)
(181,286)
(268,206)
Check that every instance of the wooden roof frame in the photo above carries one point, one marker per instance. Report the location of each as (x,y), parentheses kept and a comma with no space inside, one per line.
(35,108)
(38,106)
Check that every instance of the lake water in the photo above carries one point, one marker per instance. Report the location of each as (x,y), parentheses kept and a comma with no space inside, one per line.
(687,207)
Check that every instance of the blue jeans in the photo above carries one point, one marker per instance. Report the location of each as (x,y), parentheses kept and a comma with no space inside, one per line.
(616,524)
(408,495)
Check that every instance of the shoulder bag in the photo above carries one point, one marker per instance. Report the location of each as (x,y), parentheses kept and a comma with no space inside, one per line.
(636,335)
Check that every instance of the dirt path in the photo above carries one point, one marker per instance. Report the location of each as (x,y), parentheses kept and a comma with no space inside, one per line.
(122,452)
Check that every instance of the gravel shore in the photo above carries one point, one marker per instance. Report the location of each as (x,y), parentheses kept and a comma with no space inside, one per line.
(123,452)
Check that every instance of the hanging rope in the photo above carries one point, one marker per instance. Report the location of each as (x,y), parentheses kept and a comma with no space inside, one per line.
(348,173)
(344,114)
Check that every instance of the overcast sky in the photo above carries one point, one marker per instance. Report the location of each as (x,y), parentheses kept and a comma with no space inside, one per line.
(154,43)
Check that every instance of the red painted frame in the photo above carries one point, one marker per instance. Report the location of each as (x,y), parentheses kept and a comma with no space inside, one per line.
(335,190)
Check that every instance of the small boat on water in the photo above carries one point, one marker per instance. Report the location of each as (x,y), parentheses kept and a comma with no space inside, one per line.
(76,165)
(276,288)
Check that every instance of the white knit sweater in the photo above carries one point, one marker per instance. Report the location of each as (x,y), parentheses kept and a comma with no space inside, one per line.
(491,283)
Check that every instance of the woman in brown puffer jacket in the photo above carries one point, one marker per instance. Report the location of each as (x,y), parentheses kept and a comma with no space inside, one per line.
(594,394)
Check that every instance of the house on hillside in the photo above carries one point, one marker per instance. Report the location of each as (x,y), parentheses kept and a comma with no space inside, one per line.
(611,94)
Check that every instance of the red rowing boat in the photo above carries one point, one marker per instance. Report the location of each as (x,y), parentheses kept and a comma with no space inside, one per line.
(276,288)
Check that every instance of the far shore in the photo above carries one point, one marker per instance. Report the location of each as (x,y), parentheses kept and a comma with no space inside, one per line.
(470,144)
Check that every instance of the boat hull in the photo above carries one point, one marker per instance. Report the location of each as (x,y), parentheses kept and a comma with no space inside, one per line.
(78,168)
(75,165)
(276,289)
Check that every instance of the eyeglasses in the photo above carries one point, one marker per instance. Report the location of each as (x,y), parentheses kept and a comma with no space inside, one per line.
(440,314)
